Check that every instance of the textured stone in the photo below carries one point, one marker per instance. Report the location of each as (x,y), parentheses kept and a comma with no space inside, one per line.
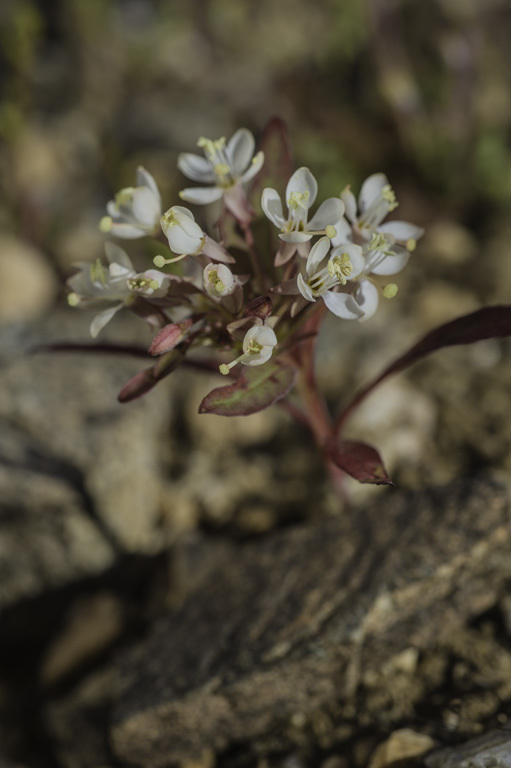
(493,750)
(80,474)
(27,283)
(309,616)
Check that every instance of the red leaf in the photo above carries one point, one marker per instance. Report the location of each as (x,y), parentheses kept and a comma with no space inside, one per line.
(257,388)
(169,337)
(486,323)
(361,461)
(144,381)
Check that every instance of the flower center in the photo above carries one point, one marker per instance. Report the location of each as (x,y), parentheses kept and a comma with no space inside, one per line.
(253,347)
(140,283)
(340,267)
(98,272)
(215,281)
(337,272)
(379,208)
(124,197)
(217,156)
(298,200)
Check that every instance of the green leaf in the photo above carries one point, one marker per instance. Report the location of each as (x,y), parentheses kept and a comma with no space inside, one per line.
(257,388)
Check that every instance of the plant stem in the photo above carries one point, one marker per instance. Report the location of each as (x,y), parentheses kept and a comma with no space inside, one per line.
(320,420)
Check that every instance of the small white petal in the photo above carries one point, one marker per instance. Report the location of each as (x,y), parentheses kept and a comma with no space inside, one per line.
(350,204)
(145,207)
(263,357)
(370,190)
(101,319)
(402,230)
(112,209)
(263,334)
(195,167)
(215,251)
(117,255)
(126,231)
(329,212)
(368,298)
(240,150)
(302,181)
(117,271)
(180,242)
(392,264)
(254,168)
(318,252)
(295,237)
(144,179)
(184,211)
(201,195)
(344,232)
(304,288)
(272,207)
(343,305)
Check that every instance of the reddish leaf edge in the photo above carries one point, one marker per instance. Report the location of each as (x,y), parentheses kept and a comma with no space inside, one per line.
(359,460)
(486,323)
(240,384)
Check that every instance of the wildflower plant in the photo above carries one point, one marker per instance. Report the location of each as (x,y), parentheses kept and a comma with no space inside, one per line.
(226,301)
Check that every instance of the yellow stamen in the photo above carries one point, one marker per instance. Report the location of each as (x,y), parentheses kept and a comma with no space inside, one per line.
(124,197)
(330,231)
(253,347)
(340,267)
(97,272)
(388,195)
(298,200)
(411,244)
(73,299)
(221,169)
(211,147)
(105,225)
(390,290)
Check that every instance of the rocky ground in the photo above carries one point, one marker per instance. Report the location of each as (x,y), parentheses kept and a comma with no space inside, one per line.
(185,589)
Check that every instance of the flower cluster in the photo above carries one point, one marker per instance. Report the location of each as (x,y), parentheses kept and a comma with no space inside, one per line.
(219,287)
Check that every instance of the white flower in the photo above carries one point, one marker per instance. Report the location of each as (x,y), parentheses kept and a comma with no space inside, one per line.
(186,238)
(182,231)
(258,345)
(301,192)
(394,240)
(219,281)
(136,211)
(227,166)
(115,285)
(322,276)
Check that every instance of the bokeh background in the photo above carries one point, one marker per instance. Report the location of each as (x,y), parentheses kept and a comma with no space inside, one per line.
(89,89)
(421,91)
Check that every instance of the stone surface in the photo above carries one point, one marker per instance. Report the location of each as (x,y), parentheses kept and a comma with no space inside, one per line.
(493,750)
(28,285)
(402,745)
(80,475)
(330,612)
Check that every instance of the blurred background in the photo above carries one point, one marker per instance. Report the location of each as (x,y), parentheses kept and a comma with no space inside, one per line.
(89,89)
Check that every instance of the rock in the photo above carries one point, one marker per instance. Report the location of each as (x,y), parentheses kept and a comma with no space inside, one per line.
(493,750)
(309,616)
(401,745)
(80,474)
(28,286)
(92,625)
(76,731)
